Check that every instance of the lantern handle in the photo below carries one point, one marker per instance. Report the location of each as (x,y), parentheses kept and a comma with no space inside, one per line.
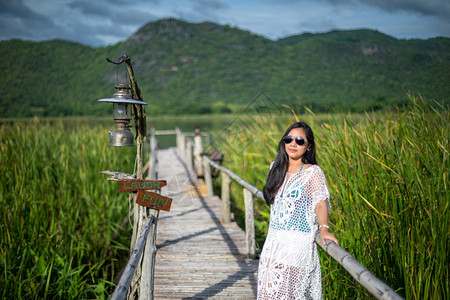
(121,60)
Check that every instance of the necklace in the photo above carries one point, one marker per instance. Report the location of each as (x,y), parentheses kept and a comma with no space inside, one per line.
(301,167)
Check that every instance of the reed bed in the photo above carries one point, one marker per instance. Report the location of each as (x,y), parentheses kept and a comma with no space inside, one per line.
(388,178)
(58,213)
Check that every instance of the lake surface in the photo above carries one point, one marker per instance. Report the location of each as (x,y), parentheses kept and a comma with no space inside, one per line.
(213,124)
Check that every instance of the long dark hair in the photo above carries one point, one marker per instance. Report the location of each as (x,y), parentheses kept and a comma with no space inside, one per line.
(280,165)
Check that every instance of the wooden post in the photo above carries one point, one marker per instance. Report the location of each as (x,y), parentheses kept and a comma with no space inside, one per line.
(153,144)
(226,182)
(183,145)
(122,288)
(141,214)
(188,157)
(177,130)
(198,149)
(148,262)
(140,126)
(249,224)
(208,178)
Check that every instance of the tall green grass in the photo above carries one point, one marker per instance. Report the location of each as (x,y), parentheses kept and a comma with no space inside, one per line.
(58,213)
(388,178)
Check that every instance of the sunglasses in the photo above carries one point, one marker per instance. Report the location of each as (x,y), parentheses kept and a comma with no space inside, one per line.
(299,140)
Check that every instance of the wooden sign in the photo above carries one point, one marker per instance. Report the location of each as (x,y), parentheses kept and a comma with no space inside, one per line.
(130,185)
(153,200)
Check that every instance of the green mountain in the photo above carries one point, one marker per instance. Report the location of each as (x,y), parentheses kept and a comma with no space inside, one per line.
(183,67)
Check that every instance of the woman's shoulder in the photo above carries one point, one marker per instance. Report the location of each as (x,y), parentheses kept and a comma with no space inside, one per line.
(312,167)
(315,169)
(317,174)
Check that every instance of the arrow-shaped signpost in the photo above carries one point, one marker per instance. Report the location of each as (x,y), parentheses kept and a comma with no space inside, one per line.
(153,200)
(132,185)
(144,196)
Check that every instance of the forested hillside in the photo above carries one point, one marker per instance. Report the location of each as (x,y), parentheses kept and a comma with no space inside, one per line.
(184,68)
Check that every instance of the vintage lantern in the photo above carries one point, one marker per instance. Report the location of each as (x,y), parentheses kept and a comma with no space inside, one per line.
(122,102)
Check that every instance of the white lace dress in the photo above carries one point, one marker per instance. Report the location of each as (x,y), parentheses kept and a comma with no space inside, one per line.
(289,266)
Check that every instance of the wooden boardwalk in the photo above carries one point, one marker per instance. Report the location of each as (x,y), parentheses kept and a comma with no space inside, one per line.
(198,257)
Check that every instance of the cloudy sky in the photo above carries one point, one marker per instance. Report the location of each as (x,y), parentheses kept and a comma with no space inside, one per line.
(103,22)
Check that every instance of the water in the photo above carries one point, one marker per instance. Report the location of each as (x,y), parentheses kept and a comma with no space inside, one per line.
(213,124)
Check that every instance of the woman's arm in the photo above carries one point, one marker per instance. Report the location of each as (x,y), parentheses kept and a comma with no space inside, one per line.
(321,211)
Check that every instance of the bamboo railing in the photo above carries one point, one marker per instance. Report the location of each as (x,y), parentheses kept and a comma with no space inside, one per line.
(185,145)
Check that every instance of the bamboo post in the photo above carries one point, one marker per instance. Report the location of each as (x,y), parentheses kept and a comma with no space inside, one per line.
(208,178)
(198,149)
(226,214)
(249,224)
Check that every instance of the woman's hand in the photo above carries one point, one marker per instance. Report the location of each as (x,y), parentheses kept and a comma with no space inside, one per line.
(326,235)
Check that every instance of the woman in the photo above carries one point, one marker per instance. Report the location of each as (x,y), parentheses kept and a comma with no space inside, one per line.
(297,193)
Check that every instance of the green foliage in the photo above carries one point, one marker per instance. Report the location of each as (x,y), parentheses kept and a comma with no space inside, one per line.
(209,68)
(388,179)
(54,78)
(58,212)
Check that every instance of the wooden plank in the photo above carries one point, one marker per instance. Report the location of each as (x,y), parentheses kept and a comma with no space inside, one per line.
(198,256)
